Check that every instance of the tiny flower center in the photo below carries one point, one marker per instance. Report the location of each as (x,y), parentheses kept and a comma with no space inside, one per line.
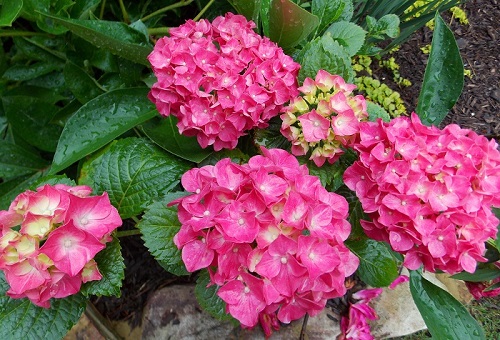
(206,213)
(84,220)
(316,123)
(241,221)
(440,238)
(284,260)
(312,256)
(67,243)
(246,290)
(403,203)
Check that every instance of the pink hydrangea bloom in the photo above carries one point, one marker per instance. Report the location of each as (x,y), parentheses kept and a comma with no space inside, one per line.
(220,79)
(61,229)
(429,192)
(269,234)
(324,119)
(356,326)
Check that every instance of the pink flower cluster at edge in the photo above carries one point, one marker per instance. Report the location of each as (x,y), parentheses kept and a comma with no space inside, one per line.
(51,254)
(324,119)
(428,191)
(270,236)
(356,325)
(220,79)
(482,289)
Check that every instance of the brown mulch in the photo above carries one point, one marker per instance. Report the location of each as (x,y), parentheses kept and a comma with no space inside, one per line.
(477,109)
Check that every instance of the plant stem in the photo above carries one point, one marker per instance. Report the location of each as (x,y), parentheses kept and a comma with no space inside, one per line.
(124,12)
(196,18)
(102,325)
(101,13)
(124,233)
(135,219)
(158,30)
(181,3)
(13,33)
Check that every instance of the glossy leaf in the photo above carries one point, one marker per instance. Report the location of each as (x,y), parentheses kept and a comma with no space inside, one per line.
(100,121)
(444,316)
(9,11)
(347,34)
(112,268)
(248,8)
(16,161)
(377,265)
(328,11)
(480,275)
(387,25)
(81,84)
(164,132)
(51,180)
(324,54)
(208,299)
(116,37)
(443,78)
(30,118)
(134,172)
(496,211)
(82,8)
(289,23)
(11,188)
(158,226)
(21,319)
(28,72)
(265,6)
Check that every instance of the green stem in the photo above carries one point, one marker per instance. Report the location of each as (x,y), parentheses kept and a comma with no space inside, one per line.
(124,12)
(125,233)
(167,8)
(207,6)
(102,325)
(13,33)
(135,219)
(158,30)
(101,13)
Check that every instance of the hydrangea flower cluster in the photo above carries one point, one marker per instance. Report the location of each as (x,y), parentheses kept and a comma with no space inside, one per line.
(356,326)
(324,119)
(49,239)
(428,191)
(220,79)
(269,234)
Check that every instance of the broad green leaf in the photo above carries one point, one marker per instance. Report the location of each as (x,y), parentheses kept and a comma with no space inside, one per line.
(116,37)
(158,226)
(81,84)
(83,8)
(376,111)
(377,265)
(444,316)
(21,319)
(443,78)
(30,118)
(249,8)
(16,161)
(265,6)
(324,54)
(480,275)
(289,23)
(134,172)
(42,48)
(100,121)
(112,268)
(330,175)
(209,300)
(347,34)
(236,156)
(328,11)
(44,94)
(164,132)
(496,211)
(36,10)
(387,25)
(271,137)
(9,11)
(51,180)
(28,72)
(11,188)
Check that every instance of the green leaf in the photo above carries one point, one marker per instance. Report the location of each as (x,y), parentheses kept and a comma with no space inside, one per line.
(11,188)
(327,11)
(443,78)
(116,37)
(30,118)
(9,11)
(164,132)
(248,8)
(158,226)
(445,317)
(83,8)
(265,6)
(387,25)
(134,172)
(290,24)
(83,86)
(496,211)
(480,275)
(16,161)
(21,319)
(271,137)
(377,265)
(100,121)
(376,111)
(324,54)
(209,300)
(347,34)
(28,72)
(330,175)
(51,180)
(112,268)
